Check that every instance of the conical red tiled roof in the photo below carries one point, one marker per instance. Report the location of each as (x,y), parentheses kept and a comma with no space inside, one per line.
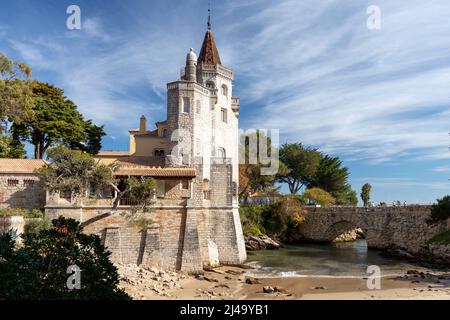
(209,53)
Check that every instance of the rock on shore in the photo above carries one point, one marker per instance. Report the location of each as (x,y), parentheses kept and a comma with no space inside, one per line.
(261,242)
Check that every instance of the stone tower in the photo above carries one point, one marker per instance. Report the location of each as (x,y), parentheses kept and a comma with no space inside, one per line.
(202,126)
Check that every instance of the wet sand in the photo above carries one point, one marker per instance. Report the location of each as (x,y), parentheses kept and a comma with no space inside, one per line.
(224,283)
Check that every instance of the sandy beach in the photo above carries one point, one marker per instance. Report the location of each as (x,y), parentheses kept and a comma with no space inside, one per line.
(225,283)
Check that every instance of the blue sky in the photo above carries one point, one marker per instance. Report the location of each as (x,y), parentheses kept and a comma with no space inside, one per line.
(379,99)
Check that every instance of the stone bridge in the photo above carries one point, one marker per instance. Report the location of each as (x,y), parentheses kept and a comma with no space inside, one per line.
(384,227)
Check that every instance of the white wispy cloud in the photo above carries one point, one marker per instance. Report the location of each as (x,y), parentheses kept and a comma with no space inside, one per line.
(400,182)
(321,76)
(310,68)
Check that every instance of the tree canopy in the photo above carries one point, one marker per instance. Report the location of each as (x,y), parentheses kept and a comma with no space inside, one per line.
(250,177)
(56,121)
(298,165)
(307,167)
(15,93)
(332,177)
(319,196)
(365,194)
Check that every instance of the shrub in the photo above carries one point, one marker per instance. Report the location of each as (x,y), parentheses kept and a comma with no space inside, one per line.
(252,219)
(37,269)
(35,226)
(284,217)
(442,238)
(10,212)
(319,196)
(441,209)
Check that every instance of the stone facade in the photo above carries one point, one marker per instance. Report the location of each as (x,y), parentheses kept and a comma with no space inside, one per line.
(21,190)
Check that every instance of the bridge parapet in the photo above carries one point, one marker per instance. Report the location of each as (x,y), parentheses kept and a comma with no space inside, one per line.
(384,227)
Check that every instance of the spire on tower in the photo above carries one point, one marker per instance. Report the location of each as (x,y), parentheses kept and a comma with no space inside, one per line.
(209,14)
(209,53)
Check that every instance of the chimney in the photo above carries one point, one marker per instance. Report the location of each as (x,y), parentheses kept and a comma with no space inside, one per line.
(143,125)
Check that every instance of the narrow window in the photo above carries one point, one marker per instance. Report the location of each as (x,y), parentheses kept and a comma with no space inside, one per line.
(224,90)
(175,107)
(198,146)
(186,105)
(185,184)
(28,183)
(13,182)
(221,153)
(67,195)
(224,115)
(199,107)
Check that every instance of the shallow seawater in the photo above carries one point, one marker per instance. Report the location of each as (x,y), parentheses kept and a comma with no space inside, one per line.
(349,259)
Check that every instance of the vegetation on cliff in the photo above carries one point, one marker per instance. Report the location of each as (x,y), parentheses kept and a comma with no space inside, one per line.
(441,209)
(442,238)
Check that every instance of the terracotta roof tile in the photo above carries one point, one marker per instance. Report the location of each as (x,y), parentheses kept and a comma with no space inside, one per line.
(20,165)
(209,53)
(155,171)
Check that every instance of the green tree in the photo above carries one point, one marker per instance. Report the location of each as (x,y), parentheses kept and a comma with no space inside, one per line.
(76,172)
(441,210)
(250,177)
(319,196)
(365,194)
(93,138)
(15,93)
(38,268)
(11,147)
(56,120)
(298,165)
(332,177)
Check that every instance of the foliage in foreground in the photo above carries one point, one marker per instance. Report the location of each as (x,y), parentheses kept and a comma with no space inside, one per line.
(441,210)
(442,238)
(38,268)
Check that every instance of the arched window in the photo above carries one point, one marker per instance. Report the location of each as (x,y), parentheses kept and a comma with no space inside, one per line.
(210,85)
(221,153)
(224,90)
(158,153)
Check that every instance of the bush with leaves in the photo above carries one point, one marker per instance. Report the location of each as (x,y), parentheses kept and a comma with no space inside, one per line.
(37,269)
(441,209)
(10,212)
(35,225)
(284,217)
(319,196)
(252,219)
